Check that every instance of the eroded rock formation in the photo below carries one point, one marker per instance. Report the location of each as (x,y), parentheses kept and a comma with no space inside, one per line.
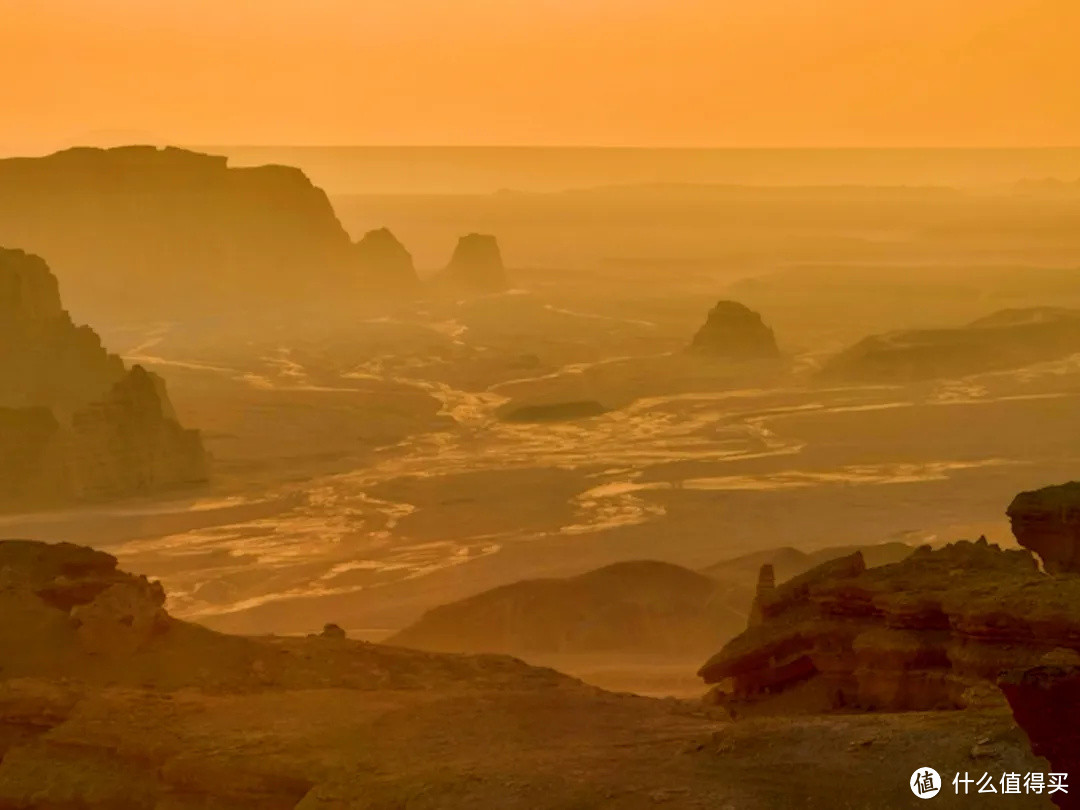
(736,332)
(476,265)
(65,602)
(145,232)
(130,442)
(74,424)
(45,359)
(103,698)
(383,264)
(927,632)
(1045,700)
(1047,521)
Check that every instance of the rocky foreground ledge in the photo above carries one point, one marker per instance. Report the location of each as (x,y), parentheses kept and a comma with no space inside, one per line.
(933,631)
(924,633)
(1046,703)
(961,627)
(109,703)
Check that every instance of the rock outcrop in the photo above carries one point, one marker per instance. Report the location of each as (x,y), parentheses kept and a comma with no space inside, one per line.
(146,232)
(130,443)
(70,611)
(104,700)
(1045,700)
(787,562)
(1008,339)
(45,359)
(75,425)
(66,602)
(1047,521)
(928,632)
(477,265)
(735,332)
(383,264)
(334,631)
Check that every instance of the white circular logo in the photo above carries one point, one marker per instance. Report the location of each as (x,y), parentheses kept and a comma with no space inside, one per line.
(925,783)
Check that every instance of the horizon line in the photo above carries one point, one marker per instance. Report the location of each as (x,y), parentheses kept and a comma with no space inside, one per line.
(618,147)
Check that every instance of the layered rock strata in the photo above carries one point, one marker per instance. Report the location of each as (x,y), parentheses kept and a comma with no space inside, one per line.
(1045,700)
(1047,521)
(930,632)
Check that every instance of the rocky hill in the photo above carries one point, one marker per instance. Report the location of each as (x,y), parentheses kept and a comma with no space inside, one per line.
(1047,521)
(142,232)
(383,265)
(107,702)
(1007,339)
(736,332)
(476,265)
(640,607)
(75,425)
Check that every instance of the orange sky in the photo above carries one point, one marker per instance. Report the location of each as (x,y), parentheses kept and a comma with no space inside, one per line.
(580,72)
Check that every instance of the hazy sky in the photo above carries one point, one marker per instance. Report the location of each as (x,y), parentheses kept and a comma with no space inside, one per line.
(604,72)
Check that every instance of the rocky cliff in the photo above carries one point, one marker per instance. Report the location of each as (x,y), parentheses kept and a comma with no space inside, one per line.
(130,443)
(143,232)
(45,360)
(932,631)
(1007,339)
(1047,521)
(476,265)
(735,332)
(35,470)
(1045,700)
(75,425)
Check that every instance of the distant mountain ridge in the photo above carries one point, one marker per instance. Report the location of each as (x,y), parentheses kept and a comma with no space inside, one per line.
(1008,338)
(162,233)
(347,169)
(165,232)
